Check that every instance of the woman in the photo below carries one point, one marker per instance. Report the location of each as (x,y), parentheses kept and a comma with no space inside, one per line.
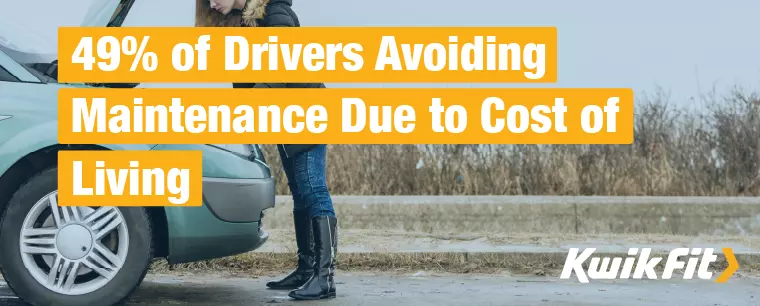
(304,165)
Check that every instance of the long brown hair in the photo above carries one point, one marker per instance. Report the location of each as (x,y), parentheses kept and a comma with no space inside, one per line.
(205,16)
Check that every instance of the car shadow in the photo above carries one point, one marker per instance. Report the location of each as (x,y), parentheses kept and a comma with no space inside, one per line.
(177,292)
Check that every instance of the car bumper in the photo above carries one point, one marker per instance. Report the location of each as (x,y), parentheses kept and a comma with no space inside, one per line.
(187,248)
(238,200)
(228,223)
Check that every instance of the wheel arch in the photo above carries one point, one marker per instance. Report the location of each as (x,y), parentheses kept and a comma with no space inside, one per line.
(34,162)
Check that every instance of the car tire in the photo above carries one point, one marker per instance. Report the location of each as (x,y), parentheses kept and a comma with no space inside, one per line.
(24,279)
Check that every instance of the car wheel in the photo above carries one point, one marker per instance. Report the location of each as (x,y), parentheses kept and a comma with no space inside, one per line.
(52,255)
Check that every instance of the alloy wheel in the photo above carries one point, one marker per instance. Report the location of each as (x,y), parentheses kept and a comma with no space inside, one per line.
(73,250)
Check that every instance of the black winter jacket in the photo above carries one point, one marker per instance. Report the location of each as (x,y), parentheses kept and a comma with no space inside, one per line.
(261,13)
(275,13)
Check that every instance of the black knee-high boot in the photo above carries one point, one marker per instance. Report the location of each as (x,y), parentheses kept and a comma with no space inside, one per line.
(322,282)
(305,245)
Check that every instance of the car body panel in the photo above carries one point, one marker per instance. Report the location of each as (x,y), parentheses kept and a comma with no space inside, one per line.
(34,122)
(230,181)
(223,164)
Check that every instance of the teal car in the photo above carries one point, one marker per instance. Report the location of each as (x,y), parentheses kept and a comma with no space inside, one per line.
(52,255)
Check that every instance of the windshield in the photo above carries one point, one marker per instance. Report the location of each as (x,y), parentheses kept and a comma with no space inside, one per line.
(33,42)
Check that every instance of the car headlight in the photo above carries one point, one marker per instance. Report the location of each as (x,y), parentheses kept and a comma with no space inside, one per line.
(242,149)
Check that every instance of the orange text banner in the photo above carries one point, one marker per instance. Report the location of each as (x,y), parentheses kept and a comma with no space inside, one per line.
(345,116)
(308,54)
(130,178)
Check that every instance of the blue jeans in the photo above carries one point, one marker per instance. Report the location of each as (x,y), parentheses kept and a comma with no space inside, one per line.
(307,181)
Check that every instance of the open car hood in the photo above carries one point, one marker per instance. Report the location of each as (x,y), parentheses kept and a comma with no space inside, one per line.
(26,44)
(18,36)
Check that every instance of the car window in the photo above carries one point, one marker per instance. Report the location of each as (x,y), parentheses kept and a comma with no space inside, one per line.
(6,76)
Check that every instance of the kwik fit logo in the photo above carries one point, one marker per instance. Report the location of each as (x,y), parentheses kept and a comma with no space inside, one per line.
(600,268)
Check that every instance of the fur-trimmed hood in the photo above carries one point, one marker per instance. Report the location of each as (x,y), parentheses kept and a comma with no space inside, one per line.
(205,16)
(254,9)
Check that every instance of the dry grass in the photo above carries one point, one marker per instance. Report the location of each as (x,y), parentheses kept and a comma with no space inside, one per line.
(259,263)
(677,151)
(265,262)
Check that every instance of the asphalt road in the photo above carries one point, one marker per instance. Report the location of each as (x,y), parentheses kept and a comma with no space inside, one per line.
(375,289)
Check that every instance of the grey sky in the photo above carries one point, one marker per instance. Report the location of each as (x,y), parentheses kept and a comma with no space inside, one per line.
(683,46)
